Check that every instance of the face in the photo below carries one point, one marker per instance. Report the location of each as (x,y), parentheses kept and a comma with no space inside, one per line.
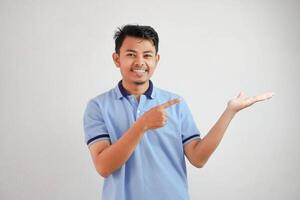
(137,60)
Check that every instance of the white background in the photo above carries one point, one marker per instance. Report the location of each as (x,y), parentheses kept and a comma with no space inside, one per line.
(56,55)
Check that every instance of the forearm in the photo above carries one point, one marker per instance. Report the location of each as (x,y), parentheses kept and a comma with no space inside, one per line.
(113,157)
(205,147)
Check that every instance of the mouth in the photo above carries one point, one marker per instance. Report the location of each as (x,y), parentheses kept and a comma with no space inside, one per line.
(140,72)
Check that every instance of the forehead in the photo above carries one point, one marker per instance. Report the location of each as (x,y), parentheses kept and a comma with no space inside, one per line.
(137,44)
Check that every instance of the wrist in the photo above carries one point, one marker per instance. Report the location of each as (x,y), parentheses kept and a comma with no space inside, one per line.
(141,123)
(232,112)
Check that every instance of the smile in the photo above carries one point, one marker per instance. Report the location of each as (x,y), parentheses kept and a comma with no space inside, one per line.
(139,70)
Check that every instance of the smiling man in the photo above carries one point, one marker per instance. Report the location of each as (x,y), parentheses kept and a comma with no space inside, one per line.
(139,135)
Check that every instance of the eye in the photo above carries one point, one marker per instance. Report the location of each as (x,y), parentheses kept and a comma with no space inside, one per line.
(130,55)
(148,55)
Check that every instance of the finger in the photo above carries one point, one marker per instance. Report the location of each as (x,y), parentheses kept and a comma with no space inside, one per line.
(170,103)
(240,94)
(263,97)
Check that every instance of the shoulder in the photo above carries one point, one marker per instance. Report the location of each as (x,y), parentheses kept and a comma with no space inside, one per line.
(101,101)
(103,97)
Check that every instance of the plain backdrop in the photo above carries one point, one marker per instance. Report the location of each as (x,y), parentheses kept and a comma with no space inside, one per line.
(56,55)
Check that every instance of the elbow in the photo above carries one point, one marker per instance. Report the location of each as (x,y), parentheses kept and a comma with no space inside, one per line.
(199,164)
(103,171)
(102,167)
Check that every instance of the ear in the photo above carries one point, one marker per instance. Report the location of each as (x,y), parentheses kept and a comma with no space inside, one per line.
(116,59)
(157,57)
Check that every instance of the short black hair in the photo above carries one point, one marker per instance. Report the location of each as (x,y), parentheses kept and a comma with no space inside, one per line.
(144,32)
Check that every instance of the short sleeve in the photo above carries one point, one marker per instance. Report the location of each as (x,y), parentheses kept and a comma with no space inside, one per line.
(94,125)
(189,130)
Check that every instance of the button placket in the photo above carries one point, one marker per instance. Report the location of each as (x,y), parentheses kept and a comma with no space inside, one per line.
(140,106)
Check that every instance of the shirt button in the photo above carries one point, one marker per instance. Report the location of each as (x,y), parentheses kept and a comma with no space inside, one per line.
(138,111)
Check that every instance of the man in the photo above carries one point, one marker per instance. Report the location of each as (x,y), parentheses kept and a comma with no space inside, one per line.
(139,135)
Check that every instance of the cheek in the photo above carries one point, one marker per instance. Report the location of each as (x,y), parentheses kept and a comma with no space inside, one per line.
(152,69)
(125,64)
(152,63)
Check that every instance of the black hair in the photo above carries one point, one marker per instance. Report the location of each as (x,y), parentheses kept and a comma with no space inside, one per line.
(144,32)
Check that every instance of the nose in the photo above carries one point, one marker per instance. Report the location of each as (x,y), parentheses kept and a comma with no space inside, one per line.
(139,61)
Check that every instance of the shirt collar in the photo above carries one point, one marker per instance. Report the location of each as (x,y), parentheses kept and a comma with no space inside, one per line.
(148,93)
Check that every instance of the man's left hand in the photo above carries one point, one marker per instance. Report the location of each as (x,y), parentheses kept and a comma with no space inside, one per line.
(242,101)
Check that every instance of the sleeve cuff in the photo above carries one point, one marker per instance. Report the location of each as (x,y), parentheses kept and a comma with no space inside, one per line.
(191,138)
(97,138)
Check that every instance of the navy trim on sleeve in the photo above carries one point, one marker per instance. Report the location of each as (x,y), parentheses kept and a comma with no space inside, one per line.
(193,136)
(97,137)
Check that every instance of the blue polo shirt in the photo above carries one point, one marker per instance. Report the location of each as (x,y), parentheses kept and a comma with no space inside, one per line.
(156,170)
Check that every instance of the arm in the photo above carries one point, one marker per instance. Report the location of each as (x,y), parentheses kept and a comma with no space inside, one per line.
(199,151)
(109,158)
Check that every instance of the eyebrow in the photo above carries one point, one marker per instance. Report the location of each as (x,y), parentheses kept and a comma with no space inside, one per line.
(134,51)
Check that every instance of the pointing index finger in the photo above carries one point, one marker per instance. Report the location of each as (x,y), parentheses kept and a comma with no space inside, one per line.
(170,103)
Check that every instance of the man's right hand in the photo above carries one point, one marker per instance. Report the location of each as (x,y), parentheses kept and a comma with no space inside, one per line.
(157,117)
(104,153)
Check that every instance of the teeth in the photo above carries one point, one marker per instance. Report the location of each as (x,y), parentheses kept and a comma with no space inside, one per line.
(139,70)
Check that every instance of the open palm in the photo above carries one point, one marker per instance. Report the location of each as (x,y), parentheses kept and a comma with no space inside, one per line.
(242,101)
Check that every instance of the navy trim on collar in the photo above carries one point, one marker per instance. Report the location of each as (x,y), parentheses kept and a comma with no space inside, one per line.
(147,93)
